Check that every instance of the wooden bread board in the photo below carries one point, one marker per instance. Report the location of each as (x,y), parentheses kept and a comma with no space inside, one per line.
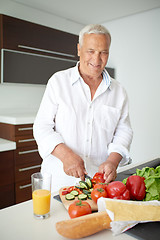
(66,203)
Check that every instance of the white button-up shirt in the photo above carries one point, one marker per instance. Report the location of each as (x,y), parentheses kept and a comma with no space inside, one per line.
(91,128)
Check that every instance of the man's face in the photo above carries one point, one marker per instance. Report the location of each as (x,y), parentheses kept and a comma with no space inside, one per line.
(93,54)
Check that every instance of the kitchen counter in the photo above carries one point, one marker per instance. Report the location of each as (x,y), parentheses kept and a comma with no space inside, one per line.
(17,117)
(6,145)
(17,222)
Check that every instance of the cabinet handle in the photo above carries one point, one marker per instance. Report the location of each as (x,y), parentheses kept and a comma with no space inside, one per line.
(25,186)
(26,140)
(29,151)
(25,129)
(28,168)
(46,51)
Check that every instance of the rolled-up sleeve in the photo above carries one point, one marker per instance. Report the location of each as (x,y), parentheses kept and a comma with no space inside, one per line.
(44,125)
(123,134)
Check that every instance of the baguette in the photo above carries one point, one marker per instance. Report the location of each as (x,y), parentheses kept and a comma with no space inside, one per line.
(83,226)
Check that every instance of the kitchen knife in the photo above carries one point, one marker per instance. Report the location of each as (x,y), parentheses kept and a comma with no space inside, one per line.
(87,176)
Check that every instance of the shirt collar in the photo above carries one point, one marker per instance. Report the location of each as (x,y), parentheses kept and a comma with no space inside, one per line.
(106,78)
(76,76)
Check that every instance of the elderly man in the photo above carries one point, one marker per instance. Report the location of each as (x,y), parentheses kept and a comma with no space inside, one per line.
(83,125)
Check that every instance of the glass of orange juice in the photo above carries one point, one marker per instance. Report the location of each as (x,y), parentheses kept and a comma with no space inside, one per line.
(41,194)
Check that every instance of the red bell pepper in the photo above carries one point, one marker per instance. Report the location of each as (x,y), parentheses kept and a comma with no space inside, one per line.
(117,190)
(136,186)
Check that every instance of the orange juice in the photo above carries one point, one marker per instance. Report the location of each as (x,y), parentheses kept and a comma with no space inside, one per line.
(41,201)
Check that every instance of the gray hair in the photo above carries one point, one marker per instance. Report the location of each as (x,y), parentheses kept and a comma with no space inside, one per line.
(93,28)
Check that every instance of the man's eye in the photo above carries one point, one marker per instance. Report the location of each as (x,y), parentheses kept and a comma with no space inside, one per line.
(90,51)
(104,53)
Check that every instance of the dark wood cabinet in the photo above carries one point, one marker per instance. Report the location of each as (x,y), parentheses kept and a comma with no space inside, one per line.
(26,159)
(31,53)
(26,36)
(7,193)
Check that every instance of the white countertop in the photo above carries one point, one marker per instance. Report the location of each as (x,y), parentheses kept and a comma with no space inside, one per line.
(17,117)
(6,145)
(17,223)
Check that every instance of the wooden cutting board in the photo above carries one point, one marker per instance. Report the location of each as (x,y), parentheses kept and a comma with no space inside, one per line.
(66,203)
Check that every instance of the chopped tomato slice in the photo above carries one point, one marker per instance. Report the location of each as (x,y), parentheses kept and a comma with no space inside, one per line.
(64,192)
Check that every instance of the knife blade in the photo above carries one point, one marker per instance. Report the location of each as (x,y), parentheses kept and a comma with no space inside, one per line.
(87,176)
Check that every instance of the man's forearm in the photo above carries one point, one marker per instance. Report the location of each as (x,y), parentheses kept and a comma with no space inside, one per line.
(61,151)
(73,164)
(114,158)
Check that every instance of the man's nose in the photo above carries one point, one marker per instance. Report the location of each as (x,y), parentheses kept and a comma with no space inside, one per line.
(97,57)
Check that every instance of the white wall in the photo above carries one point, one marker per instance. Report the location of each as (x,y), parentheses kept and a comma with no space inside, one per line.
(135,54)
(28,97)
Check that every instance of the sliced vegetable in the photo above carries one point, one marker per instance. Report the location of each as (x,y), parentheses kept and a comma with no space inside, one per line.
(75,193)
(79,187)
(69,197)
(86,191)
(64,192)
(89,196)
(89,182)
(83,184)
(82,196)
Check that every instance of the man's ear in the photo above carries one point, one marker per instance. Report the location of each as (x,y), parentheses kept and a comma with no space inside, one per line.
(78,50)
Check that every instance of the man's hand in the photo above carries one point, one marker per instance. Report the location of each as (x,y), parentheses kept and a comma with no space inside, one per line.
(73,164)
(109,168)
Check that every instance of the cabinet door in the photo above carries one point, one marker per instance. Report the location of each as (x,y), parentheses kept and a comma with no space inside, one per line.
(6,179)
(23,191)
(7,196)
(6,168)
(26,36)
(31,53)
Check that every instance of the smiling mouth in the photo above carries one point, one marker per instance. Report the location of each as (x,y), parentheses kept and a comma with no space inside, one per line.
(95,66)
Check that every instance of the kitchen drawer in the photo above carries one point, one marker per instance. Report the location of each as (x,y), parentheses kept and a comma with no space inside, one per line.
(23,129)
(25,171)
(27,155)
(24,141)
(23,191)
(6,168)
(10,131)
(7,195)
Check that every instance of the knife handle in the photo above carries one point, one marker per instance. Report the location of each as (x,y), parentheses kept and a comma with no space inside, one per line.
(83,226)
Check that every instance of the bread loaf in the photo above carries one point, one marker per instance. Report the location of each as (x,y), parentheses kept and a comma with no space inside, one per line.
(83,226)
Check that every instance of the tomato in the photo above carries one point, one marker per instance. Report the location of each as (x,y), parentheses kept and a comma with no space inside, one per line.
(100,185)
(64,192)
(118,190)
(98,178)
(79,208)
(97,193)
(70,189)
